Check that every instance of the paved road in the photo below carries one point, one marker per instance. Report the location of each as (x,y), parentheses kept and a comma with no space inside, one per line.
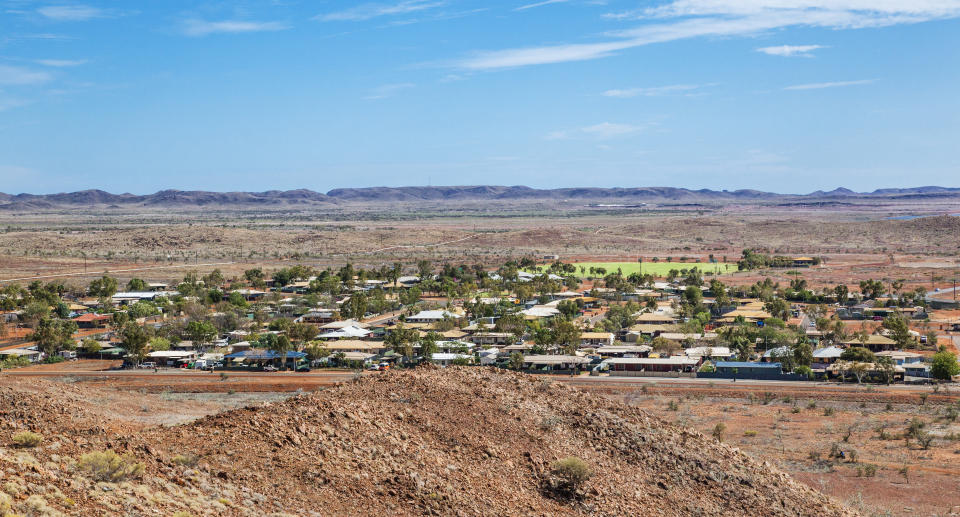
(177,373)
(943,295)
(585,380)
(581,380)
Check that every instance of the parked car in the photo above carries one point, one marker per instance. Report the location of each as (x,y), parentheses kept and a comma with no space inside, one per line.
(269,368)
(374,367)
(148,364)
(303,368)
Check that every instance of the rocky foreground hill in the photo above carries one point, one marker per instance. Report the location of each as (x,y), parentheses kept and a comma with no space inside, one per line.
(425,442)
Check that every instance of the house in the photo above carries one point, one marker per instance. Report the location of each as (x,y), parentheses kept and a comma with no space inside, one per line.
(623,351)
(300,287)
(748,370)
(522,348)
(545,363)
(258,357)
(125,298)
(492,338)
(749,315)
(30,354)
(655,318)
(638,366)
(489,356)
(172,357)
(920,369)
(355,345)
(452,334)
(804,261)
(432,316)
(448,358)
(708,352)
(681,337)
(335,325)
(92,320)
(901,357)
(595,339)
(824,357)
(250,295)
(874,342)
(539,311)
(635,332)
(77,308)
(359,357)
(345,333)
(452,346)
(774,353)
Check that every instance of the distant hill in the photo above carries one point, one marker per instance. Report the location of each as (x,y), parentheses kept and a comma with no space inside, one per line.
(347,196)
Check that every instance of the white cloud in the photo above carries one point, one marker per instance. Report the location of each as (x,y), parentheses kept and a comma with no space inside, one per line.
(61,63)
(370,11)
(834,84)
(540,4)
(12,75)
(790,50)
(684,19)
(655,91)
(388,90)
(195,27)
(602,131)
(71,13)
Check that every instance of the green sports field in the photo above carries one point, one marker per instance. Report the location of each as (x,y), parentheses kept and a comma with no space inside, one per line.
(654,268)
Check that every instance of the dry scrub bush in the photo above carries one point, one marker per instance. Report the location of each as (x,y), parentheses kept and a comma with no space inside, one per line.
(568,475)
(549,423)
(5,503)
(110,466)
(718,431)
(188,460)
(27,439)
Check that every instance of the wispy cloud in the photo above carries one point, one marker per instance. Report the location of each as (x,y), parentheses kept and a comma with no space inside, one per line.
(602,131)
(369,11)
(7,103)
(834,84)
(388,90)
(790,50)
(684,19)
(195,27)
(655,91)
(540,4)
(61,63)
(71,13)
(14,75)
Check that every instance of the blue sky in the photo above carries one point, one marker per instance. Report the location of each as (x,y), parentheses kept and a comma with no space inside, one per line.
(782,95)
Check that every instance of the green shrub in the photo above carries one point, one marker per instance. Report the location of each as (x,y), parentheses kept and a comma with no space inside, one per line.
(110,466)
(27,439)
(866,470)
(828,411)
(750,433)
